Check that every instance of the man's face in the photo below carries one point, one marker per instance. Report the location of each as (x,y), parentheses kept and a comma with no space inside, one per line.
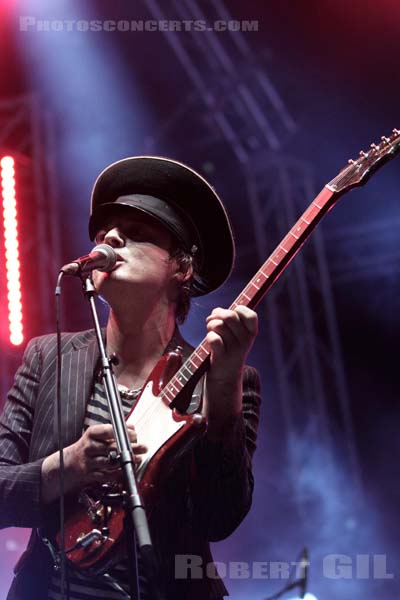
(144,267)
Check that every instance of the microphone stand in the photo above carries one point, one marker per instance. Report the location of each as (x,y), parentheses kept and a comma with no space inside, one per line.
(135,522)
(300,582)
(287,588)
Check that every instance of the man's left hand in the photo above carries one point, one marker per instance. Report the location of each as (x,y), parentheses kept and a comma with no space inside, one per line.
(231,334)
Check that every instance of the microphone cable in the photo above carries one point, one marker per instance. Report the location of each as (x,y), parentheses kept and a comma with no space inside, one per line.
(63,570)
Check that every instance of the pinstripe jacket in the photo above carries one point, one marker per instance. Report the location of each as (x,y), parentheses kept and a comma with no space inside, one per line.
(205,499)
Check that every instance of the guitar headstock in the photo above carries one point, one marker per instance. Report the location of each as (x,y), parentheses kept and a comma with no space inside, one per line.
(357,172)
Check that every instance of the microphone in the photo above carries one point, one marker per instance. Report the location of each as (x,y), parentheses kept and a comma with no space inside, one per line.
(102,257)
(303,575)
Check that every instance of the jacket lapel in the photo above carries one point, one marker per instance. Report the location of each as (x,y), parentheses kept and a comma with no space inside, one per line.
(77,370)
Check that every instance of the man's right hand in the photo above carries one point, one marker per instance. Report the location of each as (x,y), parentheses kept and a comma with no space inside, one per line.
(86,461)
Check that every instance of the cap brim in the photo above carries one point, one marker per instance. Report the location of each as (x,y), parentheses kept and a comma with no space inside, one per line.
(188,192)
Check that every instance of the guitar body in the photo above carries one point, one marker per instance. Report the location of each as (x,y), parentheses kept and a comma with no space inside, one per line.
(167,435)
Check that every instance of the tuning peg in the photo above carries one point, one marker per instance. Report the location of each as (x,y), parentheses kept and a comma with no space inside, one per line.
(351,161)
(385,139)
(374,147)
(396,131)
(364,154)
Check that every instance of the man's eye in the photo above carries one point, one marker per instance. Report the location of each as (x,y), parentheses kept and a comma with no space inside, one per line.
(135,232)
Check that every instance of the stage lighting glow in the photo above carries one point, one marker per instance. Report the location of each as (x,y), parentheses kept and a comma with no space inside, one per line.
(306,597)
(10,225)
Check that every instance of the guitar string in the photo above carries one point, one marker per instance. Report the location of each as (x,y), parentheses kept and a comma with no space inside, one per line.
(155,406)
(157,402)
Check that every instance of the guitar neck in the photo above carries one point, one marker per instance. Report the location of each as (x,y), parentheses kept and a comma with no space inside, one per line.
(355,173)
(286,250)
(255,290)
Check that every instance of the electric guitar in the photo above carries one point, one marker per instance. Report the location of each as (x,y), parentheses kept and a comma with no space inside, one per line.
(95,524)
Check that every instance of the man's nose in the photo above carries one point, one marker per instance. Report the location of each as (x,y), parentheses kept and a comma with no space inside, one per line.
(114,238)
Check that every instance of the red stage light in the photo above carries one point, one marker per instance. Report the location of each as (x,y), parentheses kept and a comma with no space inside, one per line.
(10,224)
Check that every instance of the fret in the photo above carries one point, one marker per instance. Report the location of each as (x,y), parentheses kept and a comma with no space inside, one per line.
(254,286)
(195,360)
(305,220)
(316,204)
(312,212)
(276,257)
(269,266)
(169,394)
(173,387)
(250,290)
(284,249)
(275,263)
(184,367)
(298,228)
(199,355)
(259,277)
(180,377)
(296,237)
(201,351)
(288,241)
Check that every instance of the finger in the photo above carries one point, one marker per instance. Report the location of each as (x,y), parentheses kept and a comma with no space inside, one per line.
(98,463)
(223,329)
(229,317)
(100,432)
(103,458)
(104,434)
(139,448)
(241,313)
(132,436)
(242,323)
(216,345)
(97,448)
(104,476)
(222,313)
(229,325)
(248,318)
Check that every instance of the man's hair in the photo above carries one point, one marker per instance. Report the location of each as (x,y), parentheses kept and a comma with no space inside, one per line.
(185,262)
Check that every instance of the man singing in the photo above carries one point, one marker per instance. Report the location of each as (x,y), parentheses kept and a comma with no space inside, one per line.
(173,241)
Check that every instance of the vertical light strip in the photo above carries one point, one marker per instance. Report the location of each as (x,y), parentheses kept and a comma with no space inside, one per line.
(10,220)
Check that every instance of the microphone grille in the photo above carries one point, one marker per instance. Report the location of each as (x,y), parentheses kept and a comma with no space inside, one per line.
(110,257)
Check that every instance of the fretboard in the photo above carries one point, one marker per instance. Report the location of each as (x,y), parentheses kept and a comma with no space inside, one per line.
(259,285)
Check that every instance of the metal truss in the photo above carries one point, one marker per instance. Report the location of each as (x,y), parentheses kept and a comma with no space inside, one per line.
(358,259)
(231,84)
(303,327)
(238,104)
(26,132)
